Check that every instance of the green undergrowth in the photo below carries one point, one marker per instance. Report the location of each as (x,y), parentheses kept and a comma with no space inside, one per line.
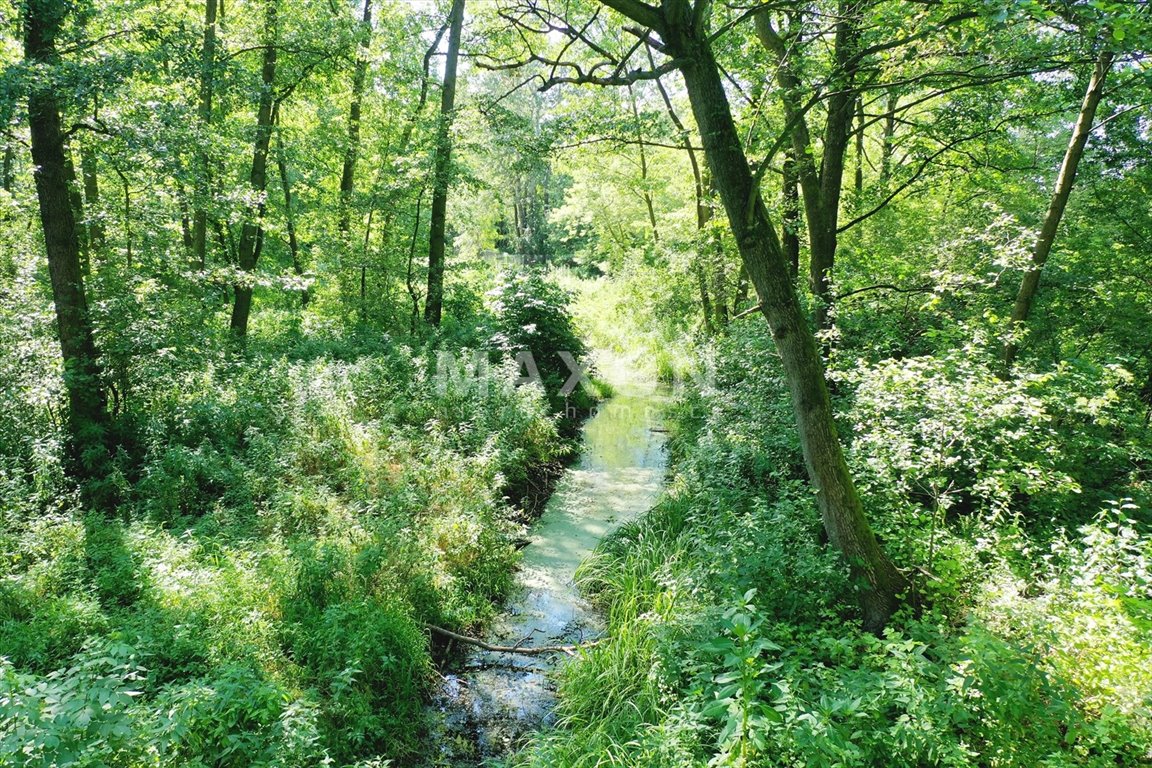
(733,637)
(634,319)
(287,526)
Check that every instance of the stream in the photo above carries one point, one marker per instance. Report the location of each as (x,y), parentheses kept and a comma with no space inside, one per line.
(489,701)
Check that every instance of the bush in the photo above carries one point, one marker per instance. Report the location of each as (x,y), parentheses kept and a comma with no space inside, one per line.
(531,319)
(361,651)
(290,523)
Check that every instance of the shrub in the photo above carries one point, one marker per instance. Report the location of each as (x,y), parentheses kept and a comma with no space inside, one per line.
(531,316)
(366,658)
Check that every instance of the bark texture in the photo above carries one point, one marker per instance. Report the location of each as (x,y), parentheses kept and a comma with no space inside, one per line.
(203,188)
(352,149)
(820,185)
(438,213)
(252,233)
(1030,284)
(88,419)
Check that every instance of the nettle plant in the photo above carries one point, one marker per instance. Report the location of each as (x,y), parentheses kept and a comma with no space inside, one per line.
(736,694)
(940,437)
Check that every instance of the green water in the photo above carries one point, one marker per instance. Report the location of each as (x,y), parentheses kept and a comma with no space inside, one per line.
(494,699)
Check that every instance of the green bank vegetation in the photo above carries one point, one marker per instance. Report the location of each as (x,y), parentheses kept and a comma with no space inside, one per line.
(891,254)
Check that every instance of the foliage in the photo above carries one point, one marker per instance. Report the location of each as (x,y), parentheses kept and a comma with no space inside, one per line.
(286,514)
(532,326)
(729,638)
(289,527)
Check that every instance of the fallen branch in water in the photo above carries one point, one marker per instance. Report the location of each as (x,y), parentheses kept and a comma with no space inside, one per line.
(540,650)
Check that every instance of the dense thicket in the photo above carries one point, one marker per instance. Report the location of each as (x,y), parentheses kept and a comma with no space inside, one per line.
(284,358)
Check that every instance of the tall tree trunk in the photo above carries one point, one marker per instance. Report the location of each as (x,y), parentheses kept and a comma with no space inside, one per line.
(645,194)
(880,583)
(8,159)
(252,233)
(408,281)
(740,297)
(203,187)
(859,145)
(88,172)
(791,216)
(892,104)
(1064,181)
(352,150)
(88,418)
(821,187)
(289,214)
(837,133)
(434,298)
(185,217)
(8,168)
(76,200)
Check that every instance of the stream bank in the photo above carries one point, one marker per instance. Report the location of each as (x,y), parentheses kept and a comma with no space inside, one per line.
(488,701)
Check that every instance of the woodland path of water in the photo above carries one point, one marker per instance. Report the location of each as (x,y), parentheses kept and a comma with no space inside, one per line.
(492,699)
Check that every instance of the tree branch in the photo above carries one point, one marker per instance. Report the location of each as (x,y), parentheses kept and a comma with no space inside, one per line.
(640,12)
(616,78)
(569,650)
(886,287)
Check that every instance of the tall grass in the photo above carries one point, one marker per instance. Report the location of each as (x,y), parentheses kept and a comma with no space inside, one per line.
(732,635)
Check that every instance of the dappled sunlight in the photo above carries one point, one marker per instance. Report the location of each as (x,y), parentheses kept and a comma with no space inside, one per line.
(494,698)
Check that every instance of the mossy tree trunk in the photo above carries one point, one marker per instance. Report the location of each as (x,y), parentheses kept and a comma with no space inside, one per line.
(88,418)
(683,29)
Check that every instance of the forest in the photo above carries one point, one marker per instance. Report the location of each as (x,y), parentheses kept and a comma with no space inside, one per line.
(575,383)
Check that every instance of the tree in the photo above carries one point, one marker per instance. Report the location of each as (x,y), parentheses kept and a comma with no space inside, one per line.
(252,233)
(1081,130)
(88,419)
(685,38)
(434,301)
(289,215)
(820,187)
(207,79)
(352,149)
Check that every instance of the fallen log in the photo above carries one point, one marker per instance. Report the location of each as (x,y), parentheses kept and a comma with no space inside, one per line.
(570,650)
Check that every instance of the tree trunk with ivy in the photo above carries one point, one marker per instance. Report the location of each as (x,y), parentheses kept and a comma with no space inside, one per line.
(88,420)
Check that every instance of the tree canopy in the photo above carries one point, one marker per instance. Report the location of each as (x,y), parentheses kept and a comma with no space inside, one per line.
(260,262)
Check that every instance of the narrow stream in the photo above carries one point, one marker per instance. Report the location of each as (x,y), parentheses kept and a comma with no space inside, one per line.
(491,700)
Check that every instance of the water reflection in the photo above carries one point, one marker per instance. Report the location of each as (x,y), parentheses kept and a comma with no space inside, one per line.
(496,698)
